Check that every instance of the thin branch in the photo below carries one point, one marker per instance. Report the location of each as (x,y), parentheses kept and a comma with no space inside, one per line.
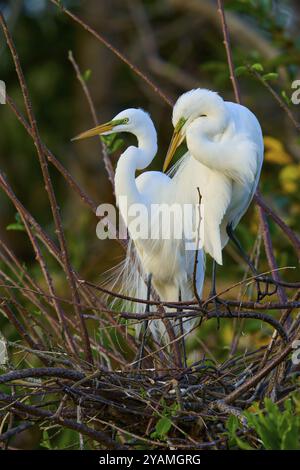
(57,372)
(291,235)
(49,188)
(197,253)
(192,304)
(253,381)
(16,430)
(5,186)
(277,98)
(106,159)
(270,254)
(115,51)
(32,411)
(228,52)
(19,327)
(86,199)
(31,289)
(209,315)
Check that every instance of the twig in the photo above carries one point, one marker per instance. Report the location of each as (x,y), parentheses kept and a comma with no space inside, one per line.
(228,51)
(209,315)
(160,303)
(196,253)
(16,430)
(270,254)
(57,372)
(113,49)
(294,239)
(32,411)
(49,188)
(275,95)
(19,327)
(30,289)
(47,241)
(192,305)
(264,223)
(5,186)
(106,159)
(86,199)
(259,376)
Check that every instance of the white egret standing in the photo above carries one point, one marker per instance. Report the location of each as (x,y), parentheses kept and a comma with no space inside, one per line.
(166,260)
(224,159)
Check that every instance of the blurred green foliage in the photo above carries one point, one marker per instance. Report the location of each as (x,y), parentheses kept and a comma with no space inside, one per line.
(277,427)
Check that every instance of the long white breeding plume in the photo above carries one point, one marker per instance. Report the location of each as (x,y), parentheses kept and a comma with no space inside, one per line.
(165,258)
(224,160)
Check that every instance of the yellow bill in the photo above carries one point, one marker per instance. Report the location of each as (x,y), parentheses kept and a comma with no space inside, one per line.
(108,126)
(177,138)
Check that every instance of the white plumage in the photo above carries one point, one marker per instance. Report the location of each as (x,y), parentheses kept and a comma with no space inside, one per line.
(224,159)
(165,258)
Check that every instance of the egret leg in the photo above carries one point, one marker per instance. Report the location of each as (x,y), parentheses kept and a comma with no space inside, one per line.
(144,326)
(182,334)
(213,293)
(260,294)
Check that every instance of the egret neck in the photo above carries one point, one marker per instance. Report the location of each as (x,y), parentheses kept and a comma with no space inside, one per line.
(133,159)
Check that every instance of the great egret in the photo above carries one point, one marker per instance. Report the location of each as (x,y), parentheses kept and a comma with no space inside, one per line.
(165,258)
(224,159)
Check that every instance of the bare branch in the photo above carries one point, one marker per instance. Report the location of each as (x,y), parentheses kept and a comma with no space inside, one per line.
(115,51)
(49,187)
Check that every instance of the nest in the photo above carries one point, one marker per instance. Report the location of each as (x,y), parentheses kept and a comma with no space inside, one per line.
(147,407)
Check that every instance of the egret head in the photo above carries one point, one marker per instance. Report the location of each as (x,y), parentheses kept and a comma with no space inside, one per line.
(200,107)
(132,120)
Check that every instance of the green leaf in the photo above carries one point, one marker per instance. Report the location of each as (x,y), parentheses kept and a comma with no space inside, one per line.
(46,440)
(18,225)
(68,437)
(87,75)
(285,97)
(232,425)
(163,426)
(112,142)
(270,76)
(15,227)
(242,70)
(258,67)
(243,444)
(277,427)
(290,438)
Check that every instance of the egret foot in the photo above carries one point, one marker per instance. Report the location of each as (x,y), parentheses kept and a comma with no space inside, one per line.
(266,292)
(213,294)
(217,301)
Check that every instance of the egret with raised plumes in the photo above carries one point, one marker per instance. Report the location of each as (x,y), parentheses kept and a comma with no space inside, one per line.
(224,160)
(165,259)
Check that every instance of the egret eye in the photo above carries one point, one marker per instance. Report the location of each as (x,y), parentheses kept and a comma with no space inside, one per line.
(203,115)
(126,120)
